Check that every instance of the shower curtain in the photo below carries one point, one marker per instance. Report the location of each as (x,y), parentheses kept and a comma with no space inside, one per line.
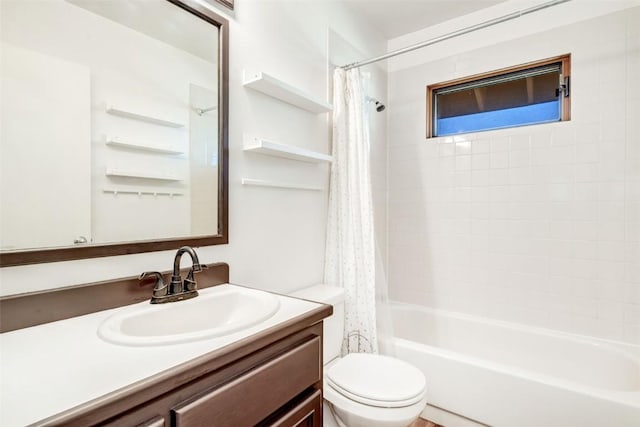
(350,247)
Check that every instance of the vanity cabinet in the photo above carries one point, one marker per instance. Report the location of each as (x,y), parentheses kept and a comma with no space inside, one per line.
(278,385)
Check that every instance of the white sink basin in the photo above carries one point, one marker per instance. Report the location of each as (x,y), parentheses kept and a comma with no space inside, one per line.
(217,311)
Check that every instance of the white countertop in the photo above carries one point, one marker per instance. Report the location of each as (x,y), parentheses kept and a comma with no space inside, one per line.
(50,368)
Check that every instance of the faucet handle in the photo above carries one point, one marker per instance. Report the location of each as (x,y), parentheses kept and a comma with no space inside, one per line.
(160,288)
(190,281)
(199,267)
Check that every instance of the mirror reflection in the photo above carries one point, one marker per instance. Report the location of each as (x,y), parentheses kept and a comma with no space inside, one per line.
(109,123)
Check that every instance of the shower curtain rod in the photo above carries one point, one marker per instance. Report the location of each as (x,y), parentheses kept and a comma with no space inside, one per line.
(457,33)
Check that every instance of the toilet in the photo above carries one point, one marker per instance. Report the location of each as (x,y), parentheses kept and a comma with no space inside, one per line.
(363,390)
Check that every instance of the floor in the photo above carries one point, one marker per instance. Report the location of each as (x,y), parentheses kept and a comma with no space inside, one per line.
(423,423)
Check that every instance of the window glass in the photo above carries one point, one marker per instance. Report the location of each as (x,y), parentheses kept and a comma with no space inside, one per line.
(527,96)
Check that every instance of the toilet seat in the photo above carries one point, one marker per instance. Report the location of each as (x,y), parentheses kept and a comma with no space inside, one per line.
(377,380)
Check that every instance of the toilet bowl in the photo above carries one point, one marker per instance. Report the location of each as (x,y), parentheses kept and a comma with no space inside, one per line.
(363,390)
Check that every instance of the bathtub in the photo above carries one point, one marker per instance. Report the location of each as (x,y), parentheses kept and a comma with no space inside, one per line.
(506,374)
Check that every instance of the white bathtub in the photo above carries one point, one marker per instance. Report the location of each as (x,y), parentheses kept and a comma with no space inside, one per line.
(505,374)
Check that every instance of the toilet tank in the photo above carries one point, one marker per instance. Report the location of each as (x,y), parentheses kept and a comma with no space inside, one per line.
(333,326)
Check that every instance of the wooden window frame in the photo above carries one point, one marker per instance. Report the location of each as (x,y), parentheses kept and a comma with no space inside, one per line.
(565,67)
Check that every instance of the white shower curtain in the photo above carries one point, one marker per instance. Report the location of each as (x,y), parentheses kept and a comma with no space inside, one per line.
(350,249)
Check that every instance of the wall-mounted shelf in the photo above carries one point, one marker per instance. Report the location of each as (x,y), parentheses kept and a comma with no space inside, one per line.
(143,116)
(275,184)
(117,141)
(142,174)
(117,191)
(262,146)
(263,82)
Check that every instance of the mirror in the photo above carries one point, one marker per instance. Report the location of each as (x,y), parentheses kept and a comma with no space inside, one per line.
(113,128)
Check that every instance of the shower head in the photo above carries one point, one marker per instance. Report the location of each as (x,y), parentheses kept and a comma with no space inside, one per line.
(201,111)
(379,105)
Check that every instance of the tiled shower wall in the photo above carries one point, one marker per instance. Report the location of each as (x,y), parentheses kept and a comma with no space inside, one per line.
(538,225)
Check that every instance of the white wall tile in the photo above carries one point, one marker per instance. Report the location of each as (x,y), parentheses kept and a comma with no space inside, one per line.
(463,163)
(586,153)
(633,293)
(480,161)
(614,170)
(611,251)
(479,178)
(588,133)
(517,176)
(632,314)
(584,249)
(611,231)
(463,148)
(462,179)
(519,158)
(612,192)
(633,231)
(584,230)
(561,155)
(563,136)
(499,159)
(501,176)
(520,141)
(587,172)
(481,146)
(584,210)
(561,173)
(500,144)
(447,149)
(561,192)
(540,139)
(585,191)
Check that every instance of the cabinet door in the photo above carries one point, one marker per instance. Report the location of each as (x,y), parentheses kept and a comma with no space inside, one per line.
(253,396)
(308,413)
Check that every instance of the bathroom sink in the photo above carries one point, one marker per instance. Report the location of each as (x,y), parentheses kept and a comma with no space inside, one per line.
(217,311)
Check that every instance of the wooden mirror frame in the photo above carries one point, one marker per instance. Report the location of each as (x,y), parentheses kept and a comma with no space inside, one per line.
(227,3)
(36,256)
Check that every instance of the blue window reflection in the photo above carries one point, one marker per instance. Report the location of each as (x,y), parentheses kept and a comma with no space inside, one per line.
(529,114)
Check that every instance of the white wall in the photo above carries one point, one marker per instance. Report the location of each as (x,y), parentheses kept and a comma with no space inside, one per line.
(540,224)
(276,236)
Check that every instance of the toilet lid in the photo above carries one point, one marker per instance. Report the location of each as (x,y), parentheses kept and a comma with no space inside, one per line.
(377,380)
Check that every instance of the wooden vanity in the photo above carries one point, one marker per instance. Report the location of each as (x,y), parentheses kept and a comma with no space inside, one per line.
(272,377)
(279,383)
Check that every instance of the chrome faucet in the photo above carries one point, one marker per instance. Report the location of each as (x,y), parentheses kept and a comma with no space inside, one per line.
(177,290)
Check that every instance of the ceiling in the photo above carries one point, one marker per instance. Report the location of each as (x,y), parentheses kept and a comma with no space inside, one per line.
(394,18)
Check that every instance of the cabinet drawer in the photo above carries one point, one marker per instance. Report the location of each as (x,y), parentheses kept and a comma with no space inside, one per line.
(305,411)
(253,396)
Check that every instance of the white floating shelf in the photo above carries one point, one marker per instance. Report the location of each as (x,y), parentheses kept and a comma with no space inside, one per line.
(142,146)
(165,192)
(142,174)
(144,116)
(263,82)
(262,146)
(263,183)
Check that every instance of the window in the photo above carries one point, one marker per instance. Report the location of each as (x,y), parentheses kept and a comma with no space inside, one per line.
(532,93)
